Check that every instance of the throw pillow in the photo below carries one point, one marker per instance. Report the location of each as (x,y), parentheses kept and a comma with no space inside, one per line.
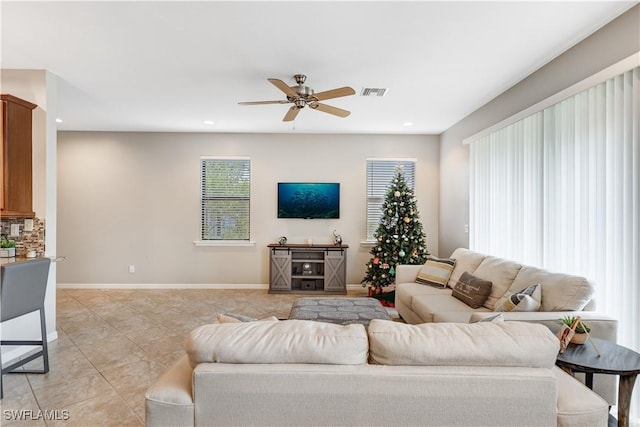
(528,299)
(240,318)
(472,290)
(490,319)
(436,272)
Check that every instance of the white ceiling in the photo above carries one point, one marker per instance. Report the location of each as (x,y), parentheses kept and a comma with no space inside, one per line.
(169,66)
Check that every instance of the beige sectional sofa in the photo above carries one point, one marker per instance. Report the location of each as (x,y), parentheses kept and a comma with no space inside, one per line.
(562,295)
(305,373)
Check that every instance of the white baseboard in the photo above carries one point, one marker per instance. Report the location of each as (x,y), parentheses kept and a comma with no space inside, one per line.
(160,286)
(14,353)
(174,286)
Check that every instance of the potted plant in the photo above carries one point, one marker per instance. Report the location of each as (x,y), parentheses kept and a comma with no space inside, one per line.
(580,331)
(7,248)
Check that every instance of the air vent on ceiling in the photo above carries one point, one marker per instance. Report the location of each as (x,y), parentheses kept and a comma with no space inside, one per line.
(373,91)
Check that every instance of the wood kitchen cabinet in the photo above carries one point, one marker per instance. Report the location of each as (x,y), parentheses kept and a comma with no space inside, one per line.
(15,158)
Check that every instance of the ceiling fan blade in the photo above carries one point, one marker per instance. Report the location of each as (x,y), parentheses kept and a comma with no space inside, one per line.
(282,101)
(284,87)
(334,93)
(329,109)
(291,114)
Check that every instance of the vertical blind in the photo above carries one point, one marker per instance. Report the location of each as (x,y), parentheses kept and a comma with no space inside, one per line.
(380,172)
(225,198)
(561,190)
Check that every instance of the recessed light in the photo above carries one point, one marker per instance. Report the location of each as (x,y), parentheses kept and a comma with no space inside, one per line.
(407,124)
(58,120)
(209,122)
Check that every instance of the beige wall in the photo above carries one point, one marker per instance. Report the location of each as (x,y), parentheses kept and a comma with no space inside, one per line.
(612,43)
(133,199)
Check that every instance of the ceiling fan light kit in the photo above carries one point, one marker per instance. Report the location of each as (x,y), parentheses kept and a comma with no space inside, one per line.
(301,96)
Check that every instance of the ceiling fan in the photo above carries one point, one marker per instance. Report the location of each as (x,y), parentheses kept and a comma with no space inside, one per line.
(301,96)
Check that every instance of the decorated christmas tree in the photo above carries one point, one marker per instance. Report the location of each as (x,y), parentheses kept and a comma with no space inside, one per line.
(399,237)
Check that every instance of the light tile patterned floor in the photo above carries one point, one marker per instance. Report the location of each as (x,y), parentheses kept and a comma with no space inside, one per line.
(112,345)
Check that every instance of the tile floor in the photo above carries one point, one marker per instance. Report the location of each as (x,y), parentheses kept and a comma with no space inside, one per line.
(111,346)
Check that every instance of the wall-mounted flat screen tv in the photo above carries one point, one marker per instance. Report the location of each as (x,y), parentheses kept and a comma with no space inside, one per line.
(309,200)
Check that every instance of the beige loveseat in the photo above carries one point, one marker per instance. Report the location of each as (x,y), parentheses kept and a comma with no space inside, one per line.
(305,373)
(562,295)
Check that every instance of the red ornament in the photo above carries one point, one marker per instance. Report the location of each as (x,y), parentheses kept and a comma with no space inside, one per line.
(376,260)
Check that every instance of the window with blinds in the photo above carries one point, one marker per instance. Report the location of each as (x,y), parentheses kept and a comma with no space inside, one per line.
(380,172)
(225,198)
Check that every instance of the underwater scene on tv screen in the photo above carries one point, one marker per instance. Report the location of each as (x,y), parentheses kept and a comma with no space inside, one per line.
(308,200)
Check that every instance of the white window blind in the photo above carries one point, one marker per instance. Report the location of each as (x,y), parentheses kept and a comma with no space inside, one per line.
(561,190)
(380,172)
(225,198)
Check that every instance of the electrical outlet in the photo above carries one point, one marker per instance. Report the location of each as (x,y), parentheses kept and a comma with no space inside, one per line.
(15,230)
(466,228)
(28,225)
(132,269)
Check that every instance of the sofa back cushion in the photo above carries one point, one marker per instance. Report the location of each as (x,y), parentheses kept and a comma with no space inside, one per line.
(466,260)
(508,344)
(289,341)
(560,292)
(501,273)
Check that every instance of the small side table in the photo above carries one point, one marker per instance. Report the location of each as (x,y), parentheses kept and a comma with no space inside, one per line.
(614,360)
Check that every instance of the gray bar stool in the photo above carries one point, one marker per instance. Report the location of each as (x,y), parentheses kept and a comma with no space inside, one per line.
(22,289)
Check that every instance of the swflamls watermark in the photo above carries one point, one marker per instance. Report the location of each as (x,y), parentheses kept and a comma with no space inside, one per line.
(38,415)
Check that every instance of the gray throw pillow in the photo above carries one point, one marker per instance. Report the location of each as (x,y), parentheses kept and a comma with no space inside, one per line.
(241,318)
(490,319)
(238,317)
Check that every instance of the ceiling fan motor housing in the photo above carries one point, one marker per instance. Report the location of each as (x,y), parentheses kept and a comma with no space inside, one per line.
(303,90)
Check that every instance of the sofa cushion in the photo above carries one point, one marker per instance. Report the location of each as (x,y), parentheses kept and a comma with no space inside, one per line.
(406,292)
(509,344)
(436,272)
(472,290)
(560,292)
(452,316)
(501,273)
(289,341)
(527,299)
(466,260)
(442,308)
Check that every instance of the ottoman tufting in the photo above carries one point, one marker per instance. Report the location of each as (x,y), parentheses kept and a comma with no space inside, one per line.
(342,311)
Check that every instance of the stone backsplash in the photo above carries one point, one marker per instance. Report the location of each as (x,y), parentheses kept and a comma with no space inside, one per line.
(27,240)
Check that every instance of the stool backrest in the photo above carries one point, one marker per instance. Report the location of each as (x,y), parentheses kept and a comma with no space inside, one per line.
(22,287)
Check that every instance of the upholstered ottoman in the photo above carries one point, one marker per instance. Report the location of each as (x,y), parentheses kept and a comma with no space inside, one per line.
(342,311)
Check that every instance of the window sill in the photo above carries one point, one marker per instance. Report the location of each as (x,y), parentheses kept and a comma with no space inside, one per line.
(368,244)
(223,243)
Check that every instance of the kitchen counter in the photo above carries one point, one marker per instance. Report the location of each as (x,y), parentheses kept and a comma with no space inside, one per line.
(18,259)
